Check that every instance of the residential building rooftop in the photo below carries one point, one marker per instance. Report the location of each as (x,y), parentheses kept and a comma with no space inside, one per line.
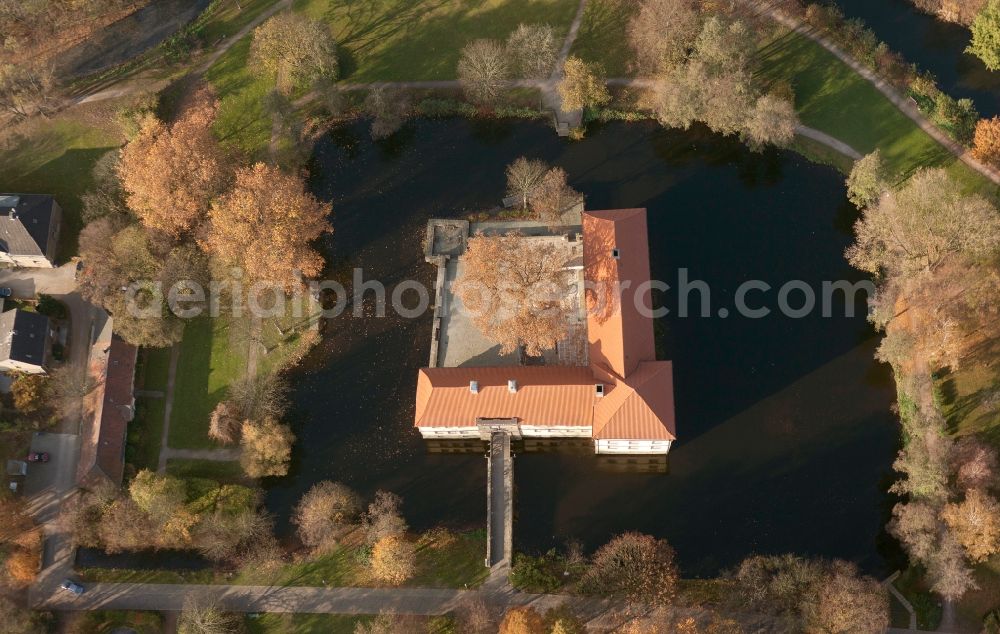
(102,441)
(26,224)
(24,337)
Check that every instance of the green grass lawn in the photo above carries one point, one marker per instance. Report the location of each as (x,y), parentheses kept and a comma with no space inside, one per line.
(454,564)
(56,156)
(242,123)
(602,36)
(218,470)
(274,623)
(102,621)
(208,363)
(382,40)
(155,368)
(228,17)
(834,99)
(332,624)
(397,40)
(149,575)
(145,434)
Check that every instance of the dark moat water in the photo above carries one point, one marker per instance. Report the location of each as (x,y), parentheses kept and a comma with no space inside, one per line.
(933,45)
(785,434)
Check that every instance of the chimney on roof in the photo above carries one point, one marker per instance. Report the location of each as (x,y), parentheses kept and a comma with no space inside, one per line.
(598,390)
(512,386)
(474,387)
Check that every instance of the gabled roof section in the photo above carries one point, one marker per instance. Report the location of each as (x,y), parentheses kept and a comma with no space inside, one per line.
(25,220)
(23,336)
(616,251)
(640,407)
(545,395)
(102,446)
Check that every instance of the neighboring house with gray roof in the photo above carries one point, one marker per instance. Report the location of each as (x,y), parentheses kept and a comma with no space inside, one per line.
(29,229)
(25,342)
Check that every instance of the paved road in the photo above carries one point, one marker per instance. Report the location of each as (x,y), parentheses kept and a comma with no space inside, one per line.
(425,601)
(48,486)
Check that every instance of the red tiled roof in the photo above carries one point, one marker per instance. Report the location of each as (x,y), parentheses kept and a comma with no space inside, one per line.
(546,395)
(102,449)
(618,335)
(641,407)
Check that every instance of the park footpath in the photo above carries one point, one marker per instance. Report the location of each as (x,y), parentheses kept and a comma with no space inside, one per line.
(905,105)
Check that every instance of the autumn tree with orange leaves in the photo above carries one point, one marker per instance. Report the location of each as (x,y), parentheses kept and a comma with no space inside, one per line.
(513,286)
(170,173)
(393,559)
(522,620)
(265,225)
(986,141)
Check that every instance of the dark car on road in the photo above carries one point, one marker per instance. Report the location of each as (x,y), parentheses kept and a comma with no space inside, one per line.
(5,291)
(71,586)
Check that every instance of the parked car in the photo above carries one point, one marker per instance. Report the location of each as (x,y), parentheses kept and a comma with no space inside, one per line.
(72,586)
(38,456)
(5,291)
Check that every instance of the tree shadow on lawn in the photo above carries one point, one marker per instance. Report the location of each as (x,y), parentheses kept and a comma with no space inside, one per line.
(419,41)
(193,400)
(602,35)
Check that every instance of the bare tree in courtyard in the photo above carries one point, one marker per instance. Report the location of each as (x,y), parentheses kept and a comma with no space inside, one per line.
(513,288)
(523,176)
(483,71)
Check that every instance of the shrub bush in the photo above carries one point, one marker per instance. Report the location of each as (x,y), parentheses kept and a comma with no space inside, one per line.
(541,574)
(52,307)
